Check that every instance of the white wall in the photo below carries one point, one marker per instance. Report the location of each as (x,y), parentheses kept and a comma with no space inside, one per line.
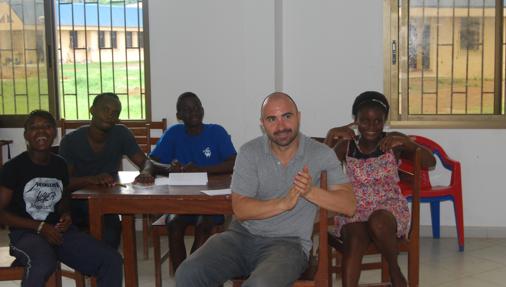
(221,50)
(224,50)
(333,50)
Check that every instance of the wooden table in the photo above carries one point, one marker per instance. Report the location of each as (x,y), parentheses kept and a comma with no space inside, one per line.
(129,201)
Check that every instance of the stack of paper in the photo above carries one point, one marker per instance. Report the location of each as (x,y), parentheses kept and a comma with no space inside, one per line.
(217,192)
(188,178)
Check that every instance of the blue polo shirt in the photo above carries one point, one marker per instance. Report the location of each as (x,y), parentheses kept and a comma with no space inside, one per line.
(212,146)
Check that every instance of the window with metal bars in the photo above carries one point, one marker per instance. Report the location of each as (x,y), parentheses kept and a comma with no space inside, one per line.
(107,66)
(91,55)
(24,77)
(446,67)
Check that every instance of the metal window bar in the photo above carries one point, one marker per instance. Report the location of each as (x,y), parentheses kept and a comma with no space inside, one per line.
(482,42)
(453,57)
(467,57)
(437,57)
(141,73)
(12,60)
(24,58)
(37,38)
(422,80)
(60,52)
(112,48)
(86,56)
(74,62)
(126,55)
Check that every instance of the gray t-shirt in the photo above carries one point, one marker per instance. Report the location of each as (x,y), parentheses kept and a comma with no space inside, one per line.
(260,175)
(76,150)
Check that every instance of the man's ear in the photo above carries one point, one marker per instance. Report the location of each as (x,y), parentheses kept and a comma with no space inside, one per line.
(178,116)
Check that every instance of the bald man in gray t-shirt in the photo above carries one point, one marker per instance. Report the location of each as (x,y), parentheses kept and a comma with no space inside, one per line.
(275,196)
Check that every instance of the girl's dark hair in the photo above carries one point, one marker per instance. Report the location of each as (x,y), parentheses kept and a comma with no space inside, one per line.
(179,104)
(41,114)
(370,99)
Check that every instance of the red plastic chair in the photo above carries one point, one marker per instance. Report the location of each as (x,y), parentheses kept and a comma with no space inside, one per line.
(435,194)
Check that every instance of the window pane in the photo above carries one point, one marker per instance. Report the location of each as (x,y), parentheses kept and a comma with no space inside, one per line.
(451,57)
(23,74)
(105,61)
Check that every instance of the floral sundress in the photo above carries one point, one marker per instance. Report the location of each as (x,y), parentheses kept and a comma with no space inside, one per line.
(374,182)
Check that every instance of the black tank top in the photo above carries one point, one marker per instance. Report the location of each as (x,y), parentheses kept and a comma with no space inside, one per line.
(354,151)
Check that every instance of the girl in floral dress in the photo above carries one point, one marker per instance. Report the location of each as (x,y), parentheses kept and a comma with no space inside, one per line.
(371,161)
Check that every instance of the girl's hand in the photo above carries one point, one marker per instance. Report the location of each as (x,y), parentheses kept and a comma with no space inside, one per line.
(340,133)
(393,140)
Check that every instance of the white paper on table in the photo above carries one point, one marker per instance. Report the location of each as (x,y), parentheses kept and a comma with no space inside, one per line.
(127,176)
(161,180)
(226,191)
(188,178)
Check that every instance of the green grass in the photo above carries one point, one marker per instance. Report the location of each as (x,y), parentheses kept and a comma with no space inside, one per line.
(80,84)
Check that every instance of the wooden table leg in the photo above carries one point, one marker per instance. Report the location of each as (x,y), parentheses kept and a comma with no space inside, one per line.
(95,217)
(129,250)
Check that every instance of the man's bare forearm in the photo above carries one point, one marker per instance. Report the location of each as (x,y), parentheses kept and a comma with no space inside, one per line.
(247,208)
(338,198)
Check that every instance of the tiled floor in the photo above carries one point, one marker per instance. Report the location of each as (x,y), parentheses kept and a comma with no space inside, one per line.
(482,264)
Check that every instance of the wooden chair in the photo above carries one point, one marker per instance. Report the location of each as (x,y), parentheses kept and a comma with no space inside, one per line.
(69,125)
(142,132)
(159,229)
(9,272)
(409,244)
(317,274)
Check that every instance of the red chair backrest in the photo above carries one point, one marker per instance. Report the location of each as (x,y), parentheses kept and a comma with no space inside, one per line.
(446,161)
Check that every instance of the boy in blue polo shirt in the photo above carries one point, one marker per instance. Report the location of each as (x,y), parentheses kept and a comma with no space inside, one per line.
(193,147)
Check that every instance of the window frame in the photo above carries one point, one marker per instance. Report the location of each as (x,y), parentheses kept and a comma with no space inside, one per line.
(16,121)
(396,56)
